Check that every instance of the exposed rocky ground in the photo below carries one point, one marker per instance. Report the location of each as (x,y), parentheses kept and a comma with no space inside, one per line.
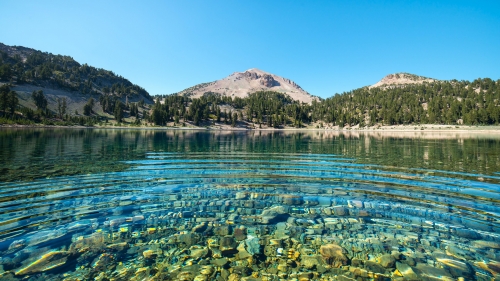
(401,79)
(240,84)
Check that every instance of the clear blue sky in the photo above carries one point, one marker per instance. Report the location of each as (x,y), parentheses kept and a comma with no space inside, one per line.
(327,47)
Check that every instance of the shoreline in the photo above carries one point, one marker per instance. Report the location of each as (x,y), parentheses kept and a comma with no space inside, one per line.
(393,128)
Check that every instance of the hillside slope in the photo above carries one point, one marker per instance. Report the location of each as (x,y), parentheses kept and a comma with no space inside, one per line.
(59,76)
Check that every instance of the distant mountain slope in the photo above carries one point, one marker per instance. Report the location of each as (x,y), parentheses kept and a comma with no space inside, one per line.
(401,79)
(240,84)
(28,68)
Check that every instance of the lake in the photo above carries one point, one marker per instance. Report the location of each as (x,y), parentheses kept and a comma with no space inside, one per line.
(106,204)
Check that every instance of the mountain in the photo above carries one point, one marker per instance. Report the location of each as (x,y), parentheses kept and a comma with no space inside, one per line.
(58,76)
(240,84)
(401,79)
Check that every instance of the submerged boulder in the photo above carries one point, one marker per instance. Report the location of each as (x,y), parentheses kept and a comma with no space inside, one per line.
(274,215)
(46,262)
(333,255)
(407,271)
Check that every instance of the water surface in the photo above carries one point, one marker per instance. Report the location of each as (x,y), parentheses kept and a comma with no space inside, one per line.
(83,204)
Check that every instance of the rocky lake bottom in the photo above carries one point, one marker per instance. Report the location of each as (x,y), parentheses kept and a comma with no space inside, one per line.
(251,215)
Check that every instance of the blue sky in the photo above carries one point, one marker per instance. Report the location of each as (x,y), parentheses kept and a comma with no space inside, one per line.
(327,47)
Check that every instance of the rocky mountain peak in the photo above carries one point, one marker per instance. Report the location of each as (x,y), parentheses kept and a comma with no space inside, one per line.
(240,84)
(401,79)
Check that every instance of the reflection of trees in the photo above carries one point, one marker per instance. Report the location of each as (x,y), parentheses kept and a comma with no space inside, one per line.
(52,152)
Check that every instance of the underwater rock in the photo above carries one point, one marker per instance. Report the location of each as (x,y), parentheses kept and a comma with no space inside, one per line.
(185,276)
(233,219)
(333,255)
(492,267)
(240,195)
(213,243)
(311,262)
(220,262)
(188,239)
(486,244)
(467,233)
(46,262)
(216,253)
(242,252)
(151,254)
(324,201)
(241,270)
(456,268)
(198,252)
(311,200)
(252,245)
(81,225)
(289,199)
(224,230)
(117,221)
(240,233)
(118,246)
(17,244)
(434,273)
(103,262)
(93,242)
(274,215)
(407,271)
(234,277)
(305,276)
(227,246)
(44,236)
(207,270)
(374,267)
(304,222)
(200,227)
(339,210)
(387,260)
(456,252)
(200,277)
(355,203)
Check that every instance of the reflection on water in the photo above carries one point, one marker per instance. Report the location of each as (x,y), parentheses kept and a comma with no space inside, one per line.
(27,154)
(186,205)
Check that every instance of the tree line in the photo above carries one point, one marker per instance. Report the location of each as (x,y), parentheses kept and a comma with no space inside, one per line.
(442,102)
(11,112)
(273,108)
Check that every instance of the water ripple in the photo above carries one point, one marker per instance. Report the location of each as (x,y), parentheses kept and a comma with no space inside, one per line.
(433,204)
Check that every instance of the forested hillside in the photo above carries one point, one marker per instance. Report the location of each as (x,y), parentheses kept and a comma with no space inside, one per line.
(266,107)
(19,65)
(55,89)
(102,97)
(441,102)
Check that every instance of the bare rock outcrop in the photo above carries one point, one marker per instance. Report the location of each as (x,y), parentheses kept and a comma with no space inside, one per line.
(268,81)
(401,79)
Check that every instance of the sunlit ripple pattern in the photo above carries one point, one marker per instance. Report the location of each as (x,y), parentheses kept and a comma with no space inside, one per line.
(445,210)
